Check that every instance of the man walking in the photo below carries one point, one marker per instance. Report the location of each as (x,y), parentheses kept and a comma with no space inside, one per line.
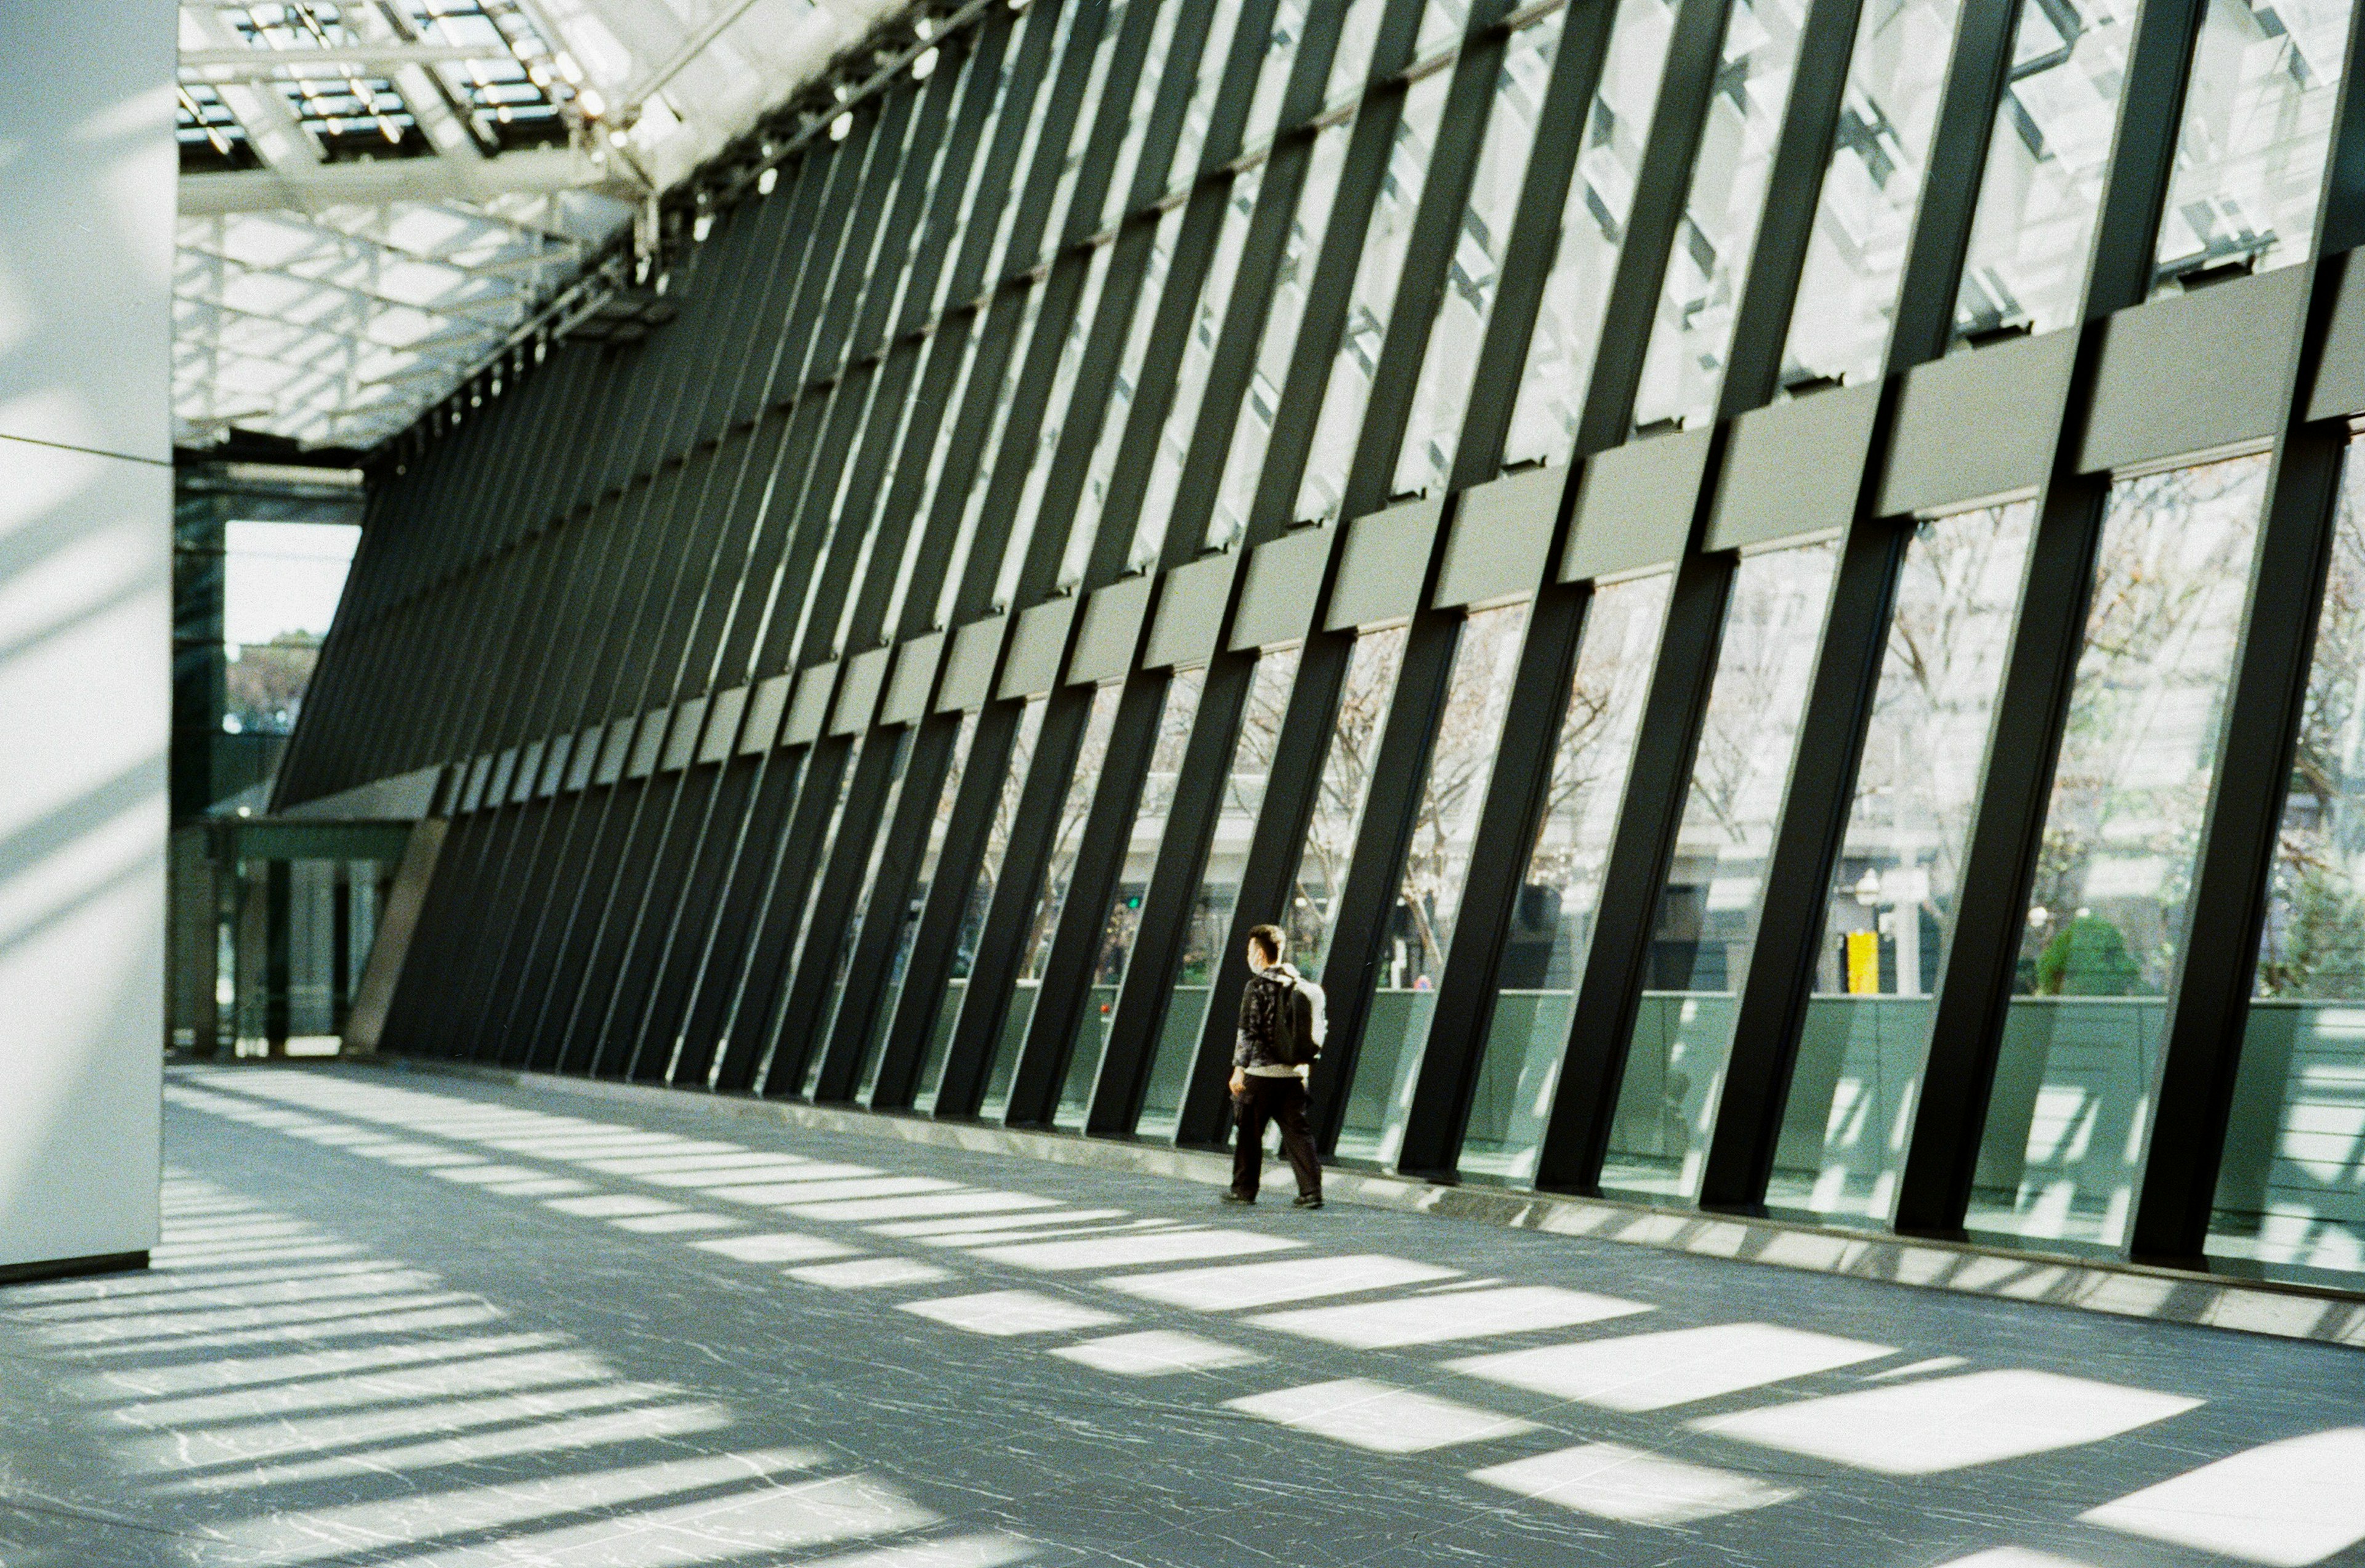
(1279,1031)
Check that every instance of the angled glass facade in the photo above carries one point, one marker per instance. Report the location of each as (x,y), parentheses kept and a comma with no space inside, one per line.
(1648,537)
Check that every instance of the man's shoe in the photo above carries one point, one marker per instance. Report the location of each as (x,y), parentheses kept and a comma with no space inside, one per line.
(1231,1197)
(1307,1200)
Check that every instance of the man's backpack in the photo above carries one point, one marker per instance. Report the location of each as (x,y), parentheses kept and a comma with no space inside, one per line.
(1297,1018)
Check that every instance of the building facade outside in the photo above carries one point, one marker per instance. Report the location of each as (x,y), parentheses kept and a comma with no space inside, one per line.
(1770,590)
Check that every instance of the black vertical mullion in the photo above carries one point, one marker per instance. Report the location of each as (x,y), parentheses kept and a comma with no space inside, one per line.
(709,994)
(2265,706)
(1519,783)
(1601,1025)
(2210,1001)
(930,756)
(1274,846)
(805,998)
(1167,903)
(921,998)
(788,1030)
(985,999)
(2049,634)
(1102,846)
(1951,179)
(1428,258)
(1608,995)
(1819,791)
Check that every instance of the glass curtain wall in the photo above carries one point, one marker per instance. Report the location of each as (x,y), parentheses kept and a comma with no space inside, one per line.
(1371,301)
(2043,185)
(817,1038)
(1350,63)
(1079,133)
(1552,925)
(1567,332)
(1198,361)
(1058,871)
(1252,432)
(1321,872)
(980,900)
(1056,414)
(1273,75)
(2249,159)
(2065,1125)
(875,1047)
(1184,689)
(1114,203)
(1859,1074)
(1707,921)
(2290,1194)
(785,958)
(1709,267)
(1184,168)
(861,905)
(1863,217)
(1433,428)
(949,594)
(1185,1010)
(1099,473)
(1444,835)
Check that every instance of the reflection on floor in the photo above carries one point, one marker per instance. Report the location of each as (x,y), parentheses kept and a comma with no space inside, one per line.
(400,1319)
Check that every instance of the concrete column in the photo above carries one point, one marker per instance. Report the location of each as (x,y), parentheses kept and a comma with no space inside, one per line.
(87,194)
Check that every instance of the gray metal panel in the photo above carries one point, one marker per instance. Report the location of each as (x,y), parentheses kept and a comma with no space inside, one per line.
(1191,600)
(589,746)
(404,797)
(969,665)
(472,795)
(724,712)
(1793,468)
(681,741)
(858,694)
(497,789)
(1978,424)
(2182,375)
(2340,378)
(554,763)
(1284,585)
(2196,372)
(808,708)
(1501,538)
(907,688)
(616,747)
(649,745)
(1634,506)
(1385,565)
(768,706)
(1035,649)
(529,772)
(1111,631)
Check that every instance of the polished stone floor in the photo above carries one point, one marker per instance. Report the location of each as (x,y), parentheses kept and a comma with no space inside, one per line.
(405,1318)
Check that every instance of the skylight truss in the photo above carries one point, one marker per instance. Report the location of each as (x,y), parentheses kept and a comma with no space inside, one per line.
(377,195)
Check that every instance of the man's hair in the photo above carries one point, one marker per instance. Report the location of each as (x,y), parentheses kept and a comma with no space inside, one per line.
(1269,938)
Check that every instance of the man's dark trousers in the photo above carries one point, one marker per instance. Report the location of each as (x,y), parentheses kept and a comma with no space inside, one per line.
(1282,1102)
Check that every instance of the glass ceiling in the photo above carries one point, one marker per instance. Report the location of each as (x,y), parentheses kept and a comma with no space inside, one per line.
(375,194)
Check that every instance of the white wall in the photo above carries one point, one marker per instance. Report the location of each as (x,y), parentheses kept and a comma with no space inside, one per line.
(86,172)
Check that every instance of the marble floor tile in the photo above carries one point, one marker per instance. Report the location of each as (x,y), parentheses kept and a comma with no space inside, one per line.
(1632,1485)
(1373,1415)
(1947,1422)
(1155,1352)
(1011,1312)
(1444,1316)
(1239,1287)
(358,1348)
